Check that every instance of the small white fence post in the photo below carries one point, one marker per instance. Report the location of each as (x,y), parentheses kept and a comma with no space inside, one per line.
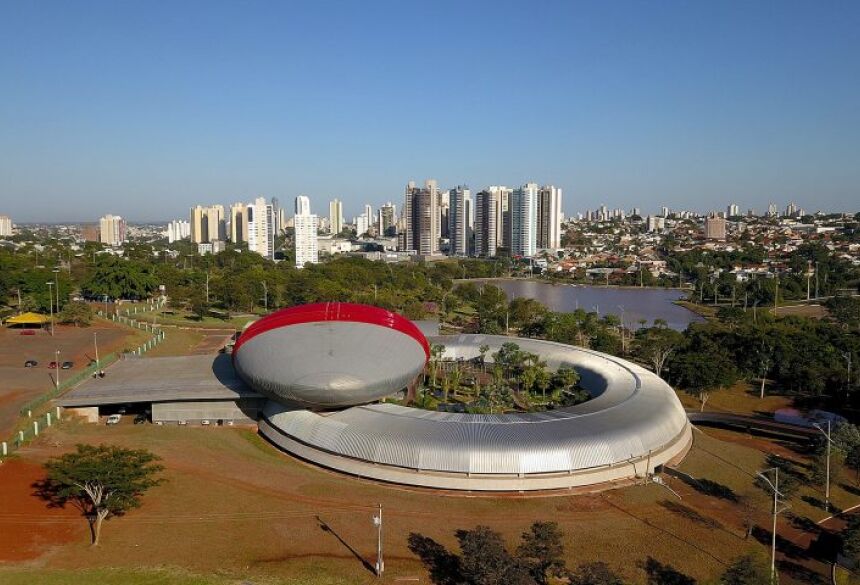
(36,428)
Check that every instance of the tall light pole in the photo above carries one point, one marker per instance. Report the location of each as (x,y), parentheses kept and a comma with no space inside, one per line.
(774,485)
(380,563)
(827,471)
(58,368)
(56,272)
(51,304)
(816,279)
(265,297)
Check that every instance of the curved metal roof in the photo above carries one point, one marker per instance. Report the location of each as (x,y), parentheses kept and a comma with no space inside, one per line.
(330,354)
(632,413)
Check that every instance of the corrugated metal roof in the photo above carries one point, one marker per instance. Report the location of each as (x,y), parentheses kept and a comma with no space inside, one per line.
(633,412)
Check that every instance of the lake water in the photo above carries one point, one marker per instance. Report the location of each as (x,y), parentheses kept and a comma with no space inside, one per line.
(638,303)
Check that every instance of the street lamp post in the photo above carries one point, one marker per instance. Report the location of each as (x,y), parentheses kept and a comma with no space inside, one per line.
(51,304)
(380,563)
(774,485)
(827,470)
(58,369)
(56,272)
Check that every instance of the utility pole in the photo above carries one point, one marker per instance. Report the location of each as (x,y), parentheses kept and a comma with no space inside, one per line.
(827,471)
(207,286)
(774,485)
(51,304)
(380,563)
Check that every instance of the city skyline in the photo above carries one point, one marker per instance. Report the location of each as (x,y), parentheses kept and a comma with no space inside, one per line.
(688,106)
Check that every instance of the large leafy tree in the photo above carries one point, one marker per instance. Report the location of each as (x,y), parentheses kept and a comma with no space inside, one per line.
(102,481)
(542,550)
(120,279)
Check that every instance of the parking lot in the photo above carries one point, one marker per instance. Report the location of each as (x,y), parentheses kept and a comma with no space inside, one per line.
(19,384)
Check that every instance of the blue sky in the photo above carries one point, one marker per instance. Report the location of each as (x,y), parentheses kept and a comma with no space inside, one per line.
(145,108)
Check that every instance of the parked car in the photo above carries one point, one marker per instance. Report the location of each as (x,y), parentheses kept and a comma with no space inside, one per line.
(52,366)
(28,332)
(140,419)
(68,365)
(114,419)
(31,364)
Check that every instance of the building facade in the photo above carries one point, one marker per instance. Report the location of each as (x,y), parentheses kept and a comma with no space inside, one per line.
(421,218)
(335,216)
(208,224)
(386,222)
(715,227)
(239,223)
(112,230)
(549,217)
(486,218)
(460,221)
(523,214)
(261,228)
(305,225)
(178,229)
(5,225)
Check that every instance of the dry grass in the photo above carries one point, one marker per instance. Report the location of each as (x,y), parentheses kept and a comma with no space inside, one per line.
(235,507)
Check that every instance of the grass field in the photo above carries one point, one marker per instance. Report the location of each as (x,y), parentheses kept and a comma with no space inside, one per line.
(235,508)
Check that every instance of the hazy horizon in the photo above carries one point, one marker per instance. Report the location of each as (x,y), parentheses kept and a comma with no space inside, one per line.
(146,110)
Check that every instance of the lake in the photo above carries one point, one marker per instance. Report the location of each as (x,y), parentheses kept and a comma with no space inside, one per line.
(637,303)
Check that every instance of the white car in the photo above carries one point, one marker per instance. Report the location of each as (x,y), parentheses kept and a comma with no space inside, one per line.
(114,419)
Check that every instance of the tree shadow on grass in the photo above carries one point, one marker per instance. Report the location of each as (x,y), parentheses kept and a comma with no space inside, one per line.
(326,528)
(710,488)
(660,574)
(444,566)
(800,573)
(851,489)
(783,545)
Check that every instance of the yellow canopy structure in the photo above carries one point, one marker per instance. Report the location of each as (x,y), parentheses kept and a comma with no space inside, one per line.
(27,319)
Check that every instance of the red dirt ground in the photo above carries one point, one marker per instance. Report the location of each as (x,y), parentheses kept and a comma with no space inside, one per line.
(29,526)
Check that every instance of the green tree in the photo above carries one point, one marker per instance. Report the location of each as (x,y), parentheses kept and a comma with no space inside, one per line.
(77,313)
(597,573)
(486,561)
(747,570)
(542,551)
(655,345)
(102,481)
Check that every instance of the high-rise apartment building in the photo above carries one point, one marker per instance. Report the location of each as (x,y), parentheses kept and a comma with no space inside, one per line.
(549,218)
(655,223)
(733,210)
(771,210)
(791,209)
(715,227)
(503,215)
(178,229)
(335,216)
(361,225)
(664,211)
(460,221)
(305,225)
(239,223)
(208,224)
(421,218)
(112,230)
(523,211)
(5,225)
(261,228)
(487,216)
(386,221)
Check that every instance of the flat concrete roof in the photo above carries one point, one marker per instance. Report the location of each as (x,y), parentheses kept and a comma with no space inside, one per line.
(167,379)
